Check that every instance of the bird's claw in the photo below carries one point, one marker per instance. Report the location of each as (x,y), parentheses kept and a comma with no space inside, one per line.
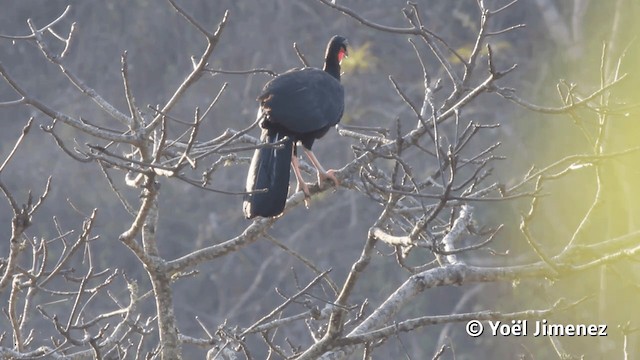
(307,194)
(304,188)
(306,202)
(329,175)
(322,177)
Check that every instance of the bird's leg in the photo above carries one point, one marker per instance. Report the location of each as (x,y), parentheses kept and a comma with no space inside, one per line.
(322,174)
(301,186)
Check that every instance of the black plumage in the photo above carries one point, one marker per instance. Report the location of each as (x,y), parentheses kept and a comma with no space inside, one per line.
(300,105)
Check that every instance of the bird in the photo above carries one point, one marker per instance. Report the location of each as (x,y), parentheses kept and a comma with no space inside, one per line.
(296,107)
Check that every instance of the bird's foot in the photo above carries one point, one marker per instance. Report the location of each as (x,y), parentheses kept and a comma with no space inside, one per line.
(302,186)
(329,175)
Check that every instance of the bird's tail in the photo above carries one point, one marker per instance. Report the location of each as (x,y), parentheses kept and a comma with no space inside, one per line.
(269,170)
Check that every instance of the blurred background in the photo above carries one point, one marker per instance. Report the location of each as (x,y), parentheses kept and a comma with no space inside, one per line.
(561,40)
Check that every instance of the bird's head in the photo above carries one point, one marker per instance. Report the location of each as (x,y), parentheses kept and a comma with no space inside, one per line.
(337,48)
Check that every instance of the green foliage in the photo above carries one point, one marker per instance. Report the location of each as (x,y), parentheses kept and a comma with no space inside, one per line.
(360,60)
(466,50)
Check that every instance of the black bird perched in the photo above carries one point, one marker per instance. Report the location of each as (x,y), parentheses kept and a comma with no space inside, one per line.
(300,105)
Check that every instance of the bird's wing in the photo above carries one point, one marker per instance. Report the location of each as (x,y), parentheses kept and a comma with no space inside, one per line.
(303,101)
